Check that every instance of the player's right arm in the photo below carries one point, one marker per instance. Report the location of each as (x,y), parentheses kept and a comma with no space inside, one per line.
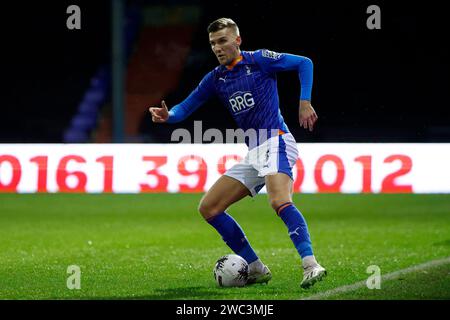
(182,110)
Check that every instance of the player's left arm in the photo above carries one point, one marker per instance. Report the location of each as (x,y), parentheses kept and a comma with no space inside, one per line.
(273,62)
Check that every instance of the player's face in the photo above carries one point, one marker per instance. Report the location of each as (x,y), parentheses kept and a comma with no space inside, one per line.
(225,45)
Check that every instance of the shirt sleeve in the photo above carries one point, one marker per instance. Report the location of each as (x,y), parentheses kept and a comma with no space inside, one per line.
(200,95)
(272,62)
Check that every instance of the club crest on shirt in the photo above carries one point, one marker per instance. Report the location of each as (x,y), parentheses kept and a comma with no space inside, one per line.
(271,54)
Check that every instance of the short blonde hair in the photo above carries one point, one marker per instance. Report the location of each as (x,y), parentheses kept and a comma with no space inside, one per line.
(223,23)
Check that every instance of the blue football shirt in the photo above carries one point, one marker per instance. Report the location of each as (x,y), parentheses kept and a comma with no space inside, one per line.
(249,89)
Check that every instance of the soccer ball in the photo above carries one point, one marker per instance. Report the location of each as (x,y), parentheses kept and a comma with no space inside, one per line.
(231,270)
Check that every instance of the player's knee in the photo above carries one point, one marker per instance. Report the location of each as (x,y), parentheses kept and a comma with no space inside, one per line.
(208,210)
(203,208)
(276,202)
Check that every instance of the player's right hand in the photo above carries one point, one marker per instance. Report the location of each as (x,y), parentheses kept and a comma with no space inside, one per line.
(159,114)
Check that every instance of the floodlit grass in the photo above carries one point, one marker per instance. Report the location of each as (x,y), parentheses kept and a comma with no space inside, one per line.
(156,246)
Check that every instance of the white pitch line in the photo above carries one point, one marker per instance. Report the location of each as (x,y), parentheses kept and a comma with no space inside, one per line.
(388,276)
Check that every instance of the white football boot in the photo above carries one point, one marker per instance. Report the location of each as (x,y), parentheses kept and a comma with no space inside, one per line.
(258,273)
(312,274)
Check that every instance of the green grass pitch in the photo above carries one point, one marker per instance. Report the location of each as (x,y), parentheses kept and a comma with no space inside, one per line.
(156,246)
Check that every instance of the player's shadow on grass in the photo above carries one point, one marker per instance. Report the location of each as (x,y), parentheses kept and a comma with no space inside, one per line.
(181,293)
(445,243)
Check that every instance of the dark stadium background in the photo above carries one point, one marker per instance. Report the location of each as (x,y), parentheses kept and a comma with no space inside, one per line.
(388,85)
(108,209)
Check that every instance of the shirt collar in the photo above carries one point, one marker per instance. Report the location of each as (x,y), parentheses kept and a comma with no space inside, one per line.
(234,62)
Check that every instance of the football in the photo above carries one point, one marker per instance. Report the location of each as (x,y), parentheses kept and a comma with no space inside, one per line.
(231,270)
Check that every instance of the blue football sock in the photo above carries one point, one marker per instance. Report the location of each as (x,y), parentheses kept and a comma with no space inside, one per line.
(233,236)
(297,228)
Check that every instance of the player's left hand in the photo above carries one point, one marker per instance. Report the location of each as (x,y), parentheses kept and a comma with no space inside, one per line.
(307,116)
